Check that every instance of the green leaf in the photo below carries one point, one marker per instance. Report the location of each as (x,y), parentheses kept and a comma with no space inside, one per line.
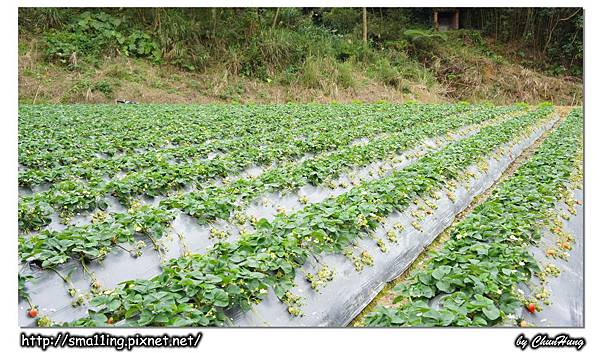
(221,298)
(113,305)
(444,286)
(491,312)
(441,271)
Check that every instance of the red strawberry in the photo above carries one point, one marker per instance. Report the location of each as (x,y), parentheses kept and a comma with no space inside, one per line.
(32,313)
(531,308)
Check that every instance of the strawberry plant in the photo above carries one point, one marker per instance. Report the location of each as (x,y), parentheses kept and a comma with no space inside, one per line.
(238,274)
(476,271)
(213,162)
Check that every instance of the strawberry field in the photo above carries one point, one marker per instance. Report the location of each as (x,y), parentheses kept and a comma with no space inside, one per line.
(297,215)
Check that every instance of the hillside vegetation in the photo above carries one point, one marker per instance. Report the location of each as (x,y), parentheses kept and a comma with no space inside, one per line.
(294,55)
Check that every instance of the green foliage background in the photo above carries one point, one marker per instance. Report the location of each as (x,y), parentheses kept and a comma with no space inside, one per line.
(259,42)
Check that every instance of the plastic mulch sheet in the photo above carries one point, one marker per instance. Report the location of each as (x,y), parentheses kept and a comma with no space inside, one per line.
(566,290)
(342,299)
(335,304)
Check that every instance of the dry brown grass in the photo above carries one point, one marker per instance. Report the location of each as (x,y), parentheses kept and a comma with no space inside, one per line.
(136,80)
(460,77)
(476,78)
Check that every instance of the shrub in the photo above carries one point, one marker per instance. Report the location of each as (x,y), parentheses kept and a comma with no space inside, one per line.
(424,39)
(346,48)
(311,73)
(345,75)
(140,44)
(292,17)
(92,34)
(386,73)
(103,87)
(273,51)
(342,19)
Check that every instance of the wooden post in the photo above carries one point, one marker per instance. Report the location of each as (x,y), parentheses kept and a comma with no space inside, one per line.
(435,20)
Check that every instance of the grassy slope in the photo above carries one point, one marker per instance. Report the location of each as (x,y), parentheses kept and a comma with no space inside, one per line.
(457,71)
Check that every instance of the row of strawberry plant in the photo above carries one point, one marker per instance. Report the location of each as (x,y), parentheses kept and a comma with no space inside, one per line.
(95,168)
(221,202)
(64,135)
(329,138)
(51,136)
(474,276)
(70,197)
(200,289)
(50,248)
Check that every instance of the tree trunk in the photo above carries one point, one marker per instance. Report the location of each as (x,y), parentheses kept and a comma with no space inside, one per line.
(365,40)
(157,20)
(213,13)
